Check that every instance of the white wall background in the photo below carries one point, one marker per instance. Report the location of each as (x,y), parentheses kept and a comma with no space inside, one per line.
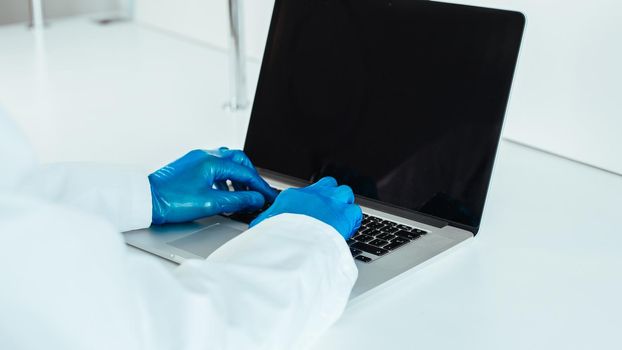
(15,11)
(207,21)
(567,96)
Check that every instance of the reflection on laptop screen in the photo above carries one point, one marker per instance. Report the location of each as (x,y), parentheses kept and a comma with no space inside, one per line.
(402,100)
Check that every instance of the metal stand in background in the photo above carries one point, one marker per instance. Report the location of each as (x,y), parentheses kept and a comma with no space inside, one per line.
(126,14)
(237,59)
(37,21)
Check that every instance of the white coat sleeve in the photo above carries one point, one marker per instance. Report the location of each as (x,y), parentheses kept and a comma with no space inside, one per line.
(277,286)
(17,158)
(68,283)
(121,195)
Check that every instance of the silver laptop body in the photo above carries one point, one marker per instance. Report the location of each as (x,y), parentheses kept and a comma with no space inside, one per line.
(302,63)
(197,240)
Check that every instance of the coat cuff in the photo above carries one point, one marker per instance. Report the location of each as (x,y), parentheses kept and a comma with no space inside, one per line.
(139,203)
(304,227)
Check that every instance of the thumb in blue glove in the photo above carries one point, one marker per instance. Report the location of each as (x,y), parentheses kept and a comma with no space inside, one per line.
(324,200)
(194,186)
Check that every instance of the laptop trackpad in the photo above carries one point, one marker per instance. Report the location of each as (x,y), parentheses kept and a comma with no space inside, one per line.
(207,240)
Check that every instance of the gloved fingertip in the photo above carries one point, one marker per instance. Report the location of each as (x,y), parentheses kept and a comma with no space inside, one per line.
(355,216)
(344,194)
(327,181)
(258,198)
(248,200)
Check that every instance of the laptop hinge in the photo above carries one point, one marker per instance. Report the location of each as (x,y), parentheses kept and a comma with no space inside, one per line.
(397,211)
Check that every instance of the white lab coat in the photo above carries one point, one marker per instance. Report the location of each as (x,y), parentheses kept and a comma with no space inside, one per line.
(66,281)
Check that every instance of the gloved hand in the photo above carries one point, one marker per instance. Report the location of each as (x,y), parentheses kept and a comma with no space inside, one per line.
(195,186)
(324,201)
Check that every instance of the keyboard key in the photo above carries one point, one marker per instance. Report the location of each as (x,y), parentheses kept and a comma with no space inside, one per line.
(379,242)
(363,258)
(407,234)
(400,239)
(372,225)
(385,236)
(395,244)
(363,230)
(373,232)
(369,248)
(364,238)
(391,229)
(378,236)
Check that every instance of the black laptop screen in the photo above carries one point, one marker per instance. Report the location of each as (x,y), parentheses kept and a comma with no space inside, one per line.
(402,100)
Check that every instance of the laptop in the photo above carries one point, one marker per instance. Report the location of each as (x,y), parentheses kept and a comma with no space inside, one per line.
(402,100)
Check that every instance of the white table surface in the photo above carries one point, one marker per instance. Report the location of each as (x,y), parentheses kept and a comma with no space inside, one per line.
(543,273)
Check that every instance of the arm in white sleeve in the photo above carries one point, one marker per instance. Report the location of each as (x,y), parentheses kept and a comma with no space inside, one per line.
(16,155)
(277,286)
(65,279)
(121,195)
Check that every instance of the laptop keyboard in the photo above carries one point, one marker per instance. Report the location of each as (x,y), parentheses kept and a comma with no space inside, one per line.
(377,237)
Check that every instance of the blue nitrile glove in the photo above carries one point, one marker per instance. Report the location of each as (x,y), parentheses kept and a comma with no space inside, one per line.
(195,186)
(324,201)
